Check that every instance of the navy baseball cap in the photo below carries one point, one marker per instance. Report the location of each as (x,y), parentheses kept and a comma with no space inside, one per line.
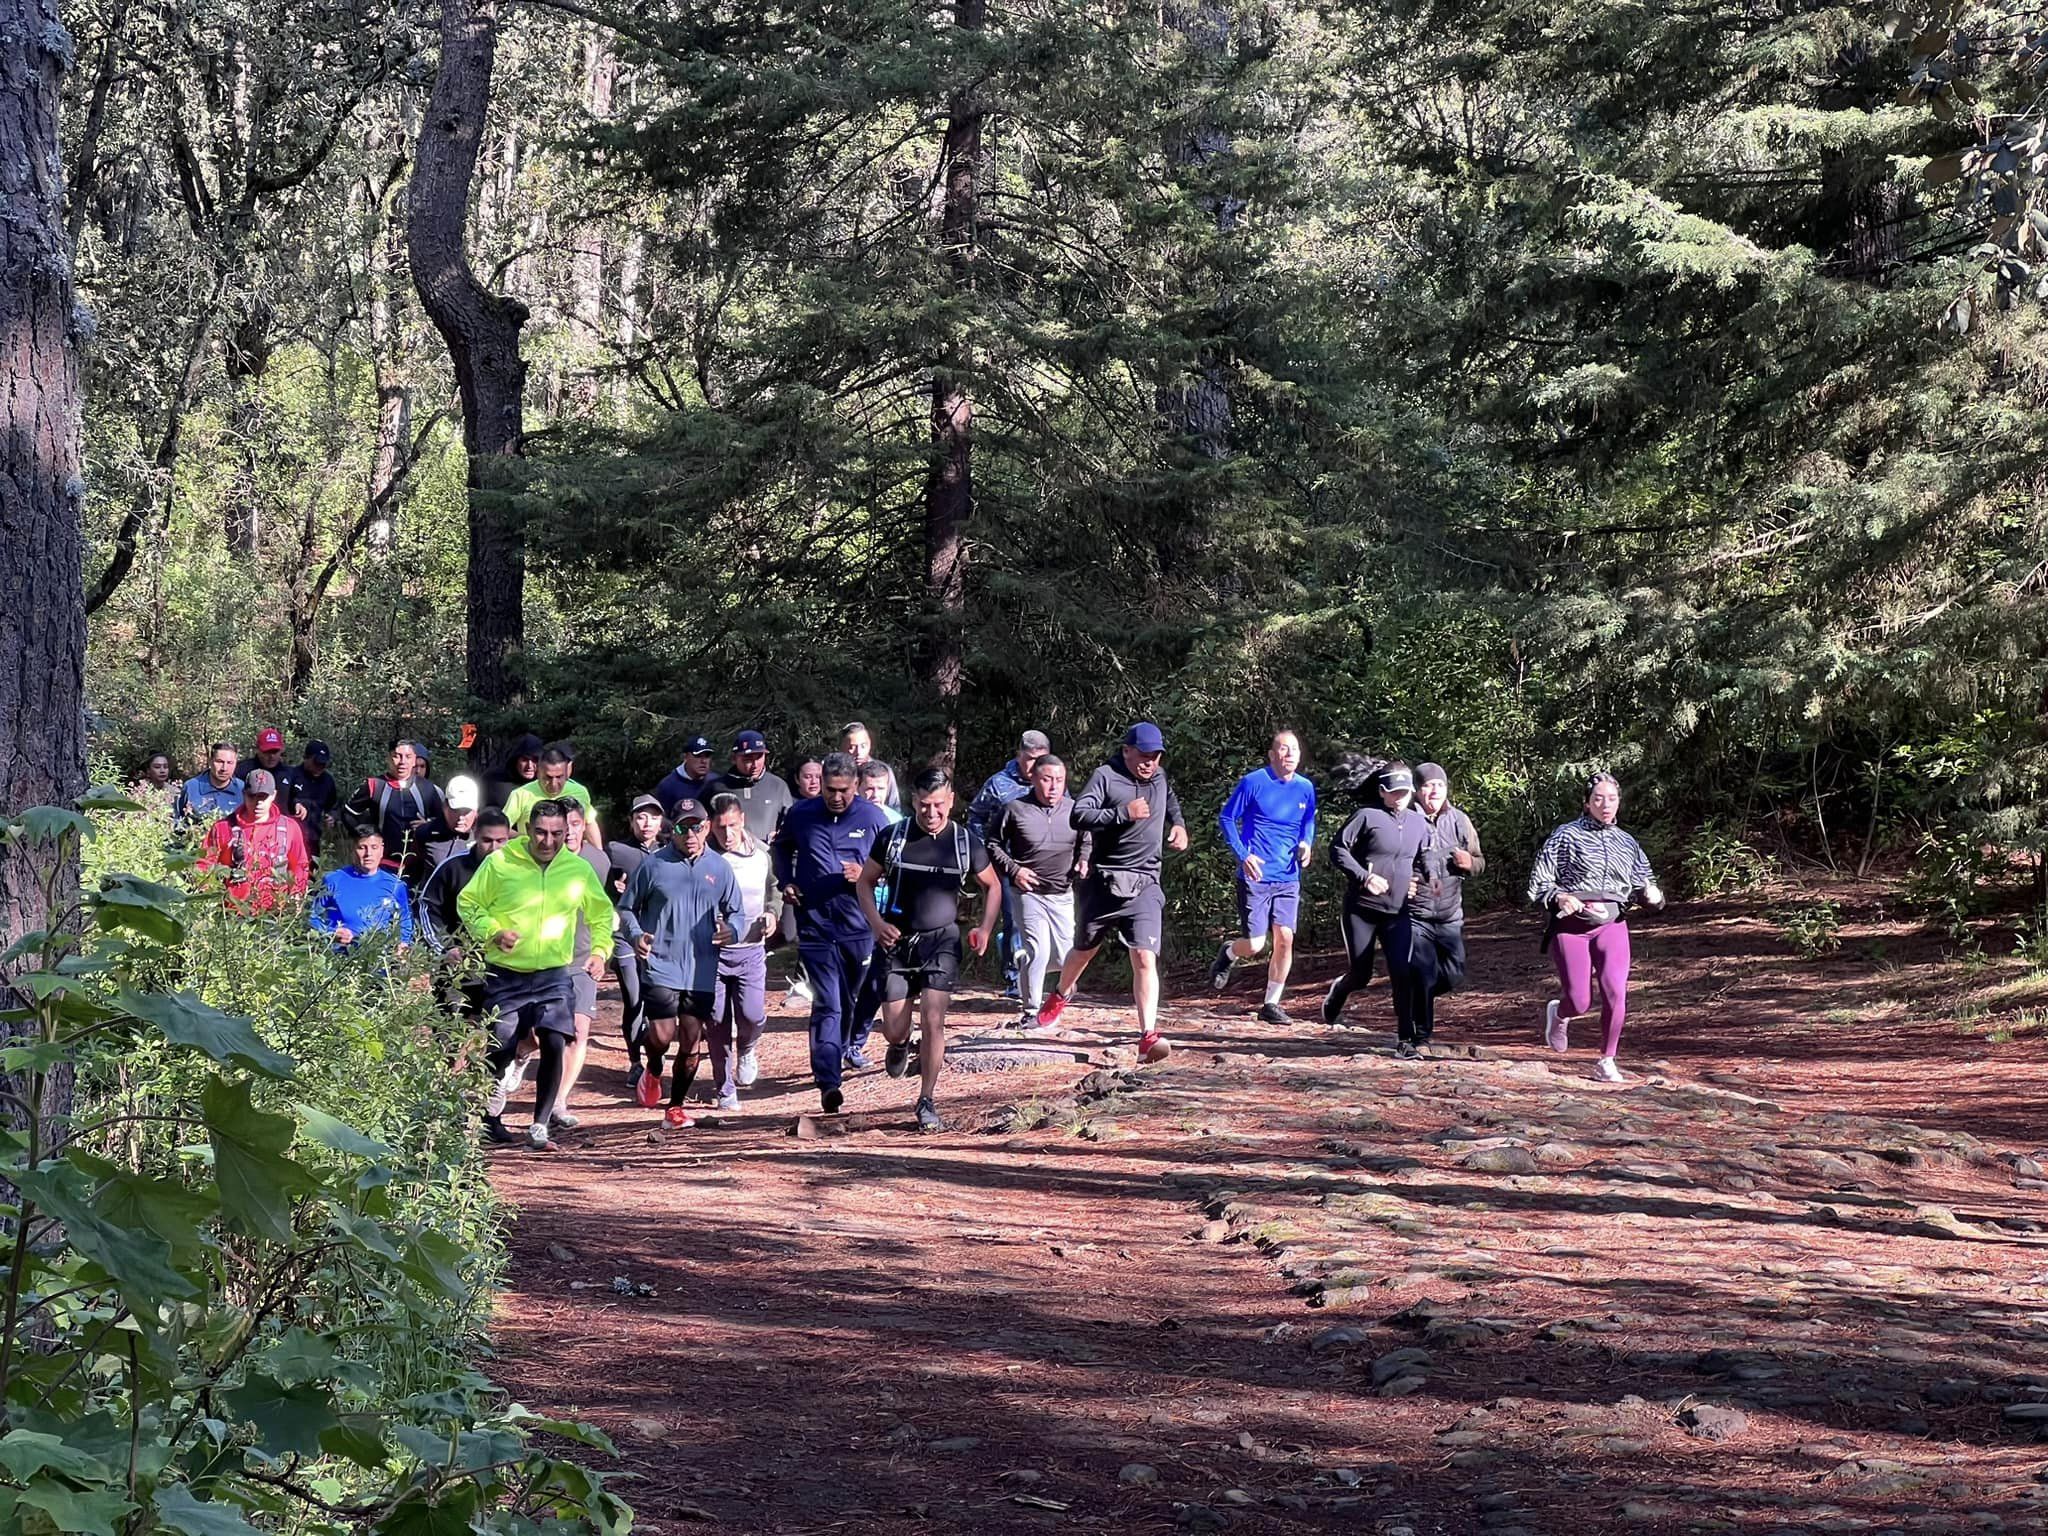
(317,751)
(1145,737)
(697,746)
(685,811)
(750,741)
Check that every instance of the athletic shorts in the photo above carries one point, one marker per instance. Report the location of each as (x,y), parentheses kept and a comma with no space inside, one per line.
(584,991)
(924,960)
(1263,905)
(668,1003)
(531,999)
(1130,906)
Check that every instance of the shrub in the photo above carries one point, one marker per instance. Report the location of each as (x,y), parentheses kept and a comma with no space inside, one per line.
(1813,928)
(1720,862)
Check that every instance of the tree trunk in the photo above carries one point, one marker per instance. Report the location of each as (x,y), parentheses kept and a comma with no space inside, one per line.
(1198,407)
(42,596)
(949,486)
(482,332)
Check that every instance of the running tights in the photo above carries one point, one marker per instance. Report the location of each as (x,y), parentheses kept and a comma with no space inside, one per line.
(553,1049)
(1588,953)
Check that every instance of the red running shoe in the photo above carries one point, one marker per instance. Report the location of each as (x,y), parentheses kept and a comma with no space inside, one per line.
(677,1118)
(648,1090)
(1049,1012)
(1152,1046)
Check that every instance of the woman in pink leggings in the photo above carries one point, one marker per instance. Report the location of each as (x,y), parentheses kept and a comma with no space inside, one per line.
(1586,875)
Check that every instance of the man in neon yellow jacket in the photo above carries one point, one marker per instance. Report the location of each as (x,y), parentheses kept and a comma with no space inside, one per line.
(555,783)
(521,907)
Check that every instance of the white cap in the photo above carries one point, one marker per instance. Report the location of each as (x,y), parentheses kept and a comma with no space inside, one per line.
(464,794)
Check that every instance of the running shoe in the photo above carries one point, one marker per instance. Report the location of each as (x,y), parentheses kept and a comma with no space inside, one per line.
(928,1115)
(896,1060)
(647,1092)
(749,1068)
(1405,1049)
(1333,1003)
(677,1117)
(1027,1020)
(1555,1033)
(1050,1010)
(1607,1071)
(1273,1013)
(856,1059)
(1219,968)
(633,1075)
(1152,1046)
(799,991)
(507,1084)
(1010,989)
(729,1102)
(537,1139)
(565,1120)
(495,1132)
(831,1098)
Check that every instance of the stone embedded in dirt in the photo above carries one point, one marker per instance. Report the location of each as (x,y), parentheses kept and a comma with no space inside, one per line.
(1338,1337)
(2032,1416)
(1648,1509)
(1499,1160)
(1213,1232)
(1457,1333)
(1400,1362)
(1951,1391)
(1200,1517)
(1136,1474)
(1401,1386)
(1712,1421)
(561,1254)
(955,1445)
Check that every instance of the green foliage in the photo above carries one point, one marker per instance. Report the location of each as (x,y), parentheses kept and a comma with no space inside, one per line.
(1952,882)
(1812,928)
(251,1246)
(1719,861)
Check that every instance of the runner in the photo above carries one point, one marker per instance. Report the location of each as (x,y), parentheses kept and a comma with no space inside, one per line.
(1431,930)
(259,848)
(157,788)
(739,1008)
(679,907)
(819,854)
(856,742)
(643,822)
(521,907)
(764,796)
(586,964)
(520,766)
(689,779)
(404,809)
(1585,876)
(216,792)
(1135,817)
(806,779)
(437,917)
(1040,853)
(362,897)
(1010,782)
(308,794)
(270,750)
(556,782)
(460,803)
(917,928)
(867,1000)
(1269,821)
(1378,852)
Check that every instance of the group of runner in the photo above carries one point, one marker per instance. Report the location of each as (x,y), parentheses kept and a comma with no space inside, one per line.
(508,882)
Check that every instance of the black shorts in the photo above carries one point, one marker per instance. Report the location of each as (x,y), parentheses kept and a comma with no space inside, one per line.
(924,960)
(530,999)
(667,1003)
(1115,901)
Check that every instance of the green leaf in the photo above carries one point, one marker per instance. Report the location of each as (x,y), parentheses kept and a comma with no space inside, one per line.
(141,906)
(177,1508)
(171,1210)
(431,1446)
(289,1420)
(337,1135)
(257,1182)
(224,1037)
(356,1439)
(435,1262)
(368,1231)
(51,823)
(420,1515)
(137,1261)
(87,1514)
(300,1357)
(568,1429)
(24,1452)
(109,797)
(33,1058)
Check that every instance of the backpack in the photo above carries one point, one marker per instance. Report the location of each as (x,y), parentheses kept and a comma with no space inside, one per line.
(891,861)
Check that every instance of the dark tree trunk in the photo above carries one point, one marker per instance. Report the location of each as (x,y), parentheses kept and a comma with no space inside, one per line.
(1198,406)
(42,599)
(949,486)
(482,332)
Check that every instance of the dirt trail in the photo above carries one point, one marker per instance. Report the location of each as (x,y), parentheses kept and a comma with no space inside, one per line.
(1287,1282)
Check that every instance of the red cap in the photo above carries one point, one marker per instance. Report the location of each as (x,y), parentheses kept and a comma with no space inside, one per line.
(270,739)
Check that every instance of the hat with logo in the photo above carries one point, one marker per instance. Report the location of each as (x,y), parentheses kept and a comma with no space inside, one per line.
(464,793)
(685,811)
(319,752)
(1393,780)
(1145,737)
(260,783)
(270,739)
(697,746)
(750,741)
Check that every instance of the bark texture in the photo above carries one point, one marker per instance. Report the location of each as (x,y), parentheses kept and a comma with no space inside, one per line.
(481,330)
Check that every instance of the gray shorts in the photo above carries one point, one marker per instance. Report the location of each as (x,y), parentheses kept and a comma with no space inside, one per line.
(583,991)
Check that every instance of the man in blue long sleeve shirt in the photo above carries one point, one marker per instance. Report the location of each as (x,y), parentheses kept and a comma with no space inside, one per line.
(360,898)
(819,852)
(1269,821)
(679,907)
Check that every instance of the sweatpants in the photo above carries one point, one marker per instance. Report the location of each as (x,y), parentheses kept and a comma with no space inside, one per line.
(1435,964)
(835,964)
(1582,953)
(739,1013)
(1048,933)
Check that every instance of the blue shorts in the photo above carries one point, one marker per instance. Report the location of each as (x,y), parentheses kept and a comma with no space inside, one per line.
(1267,904)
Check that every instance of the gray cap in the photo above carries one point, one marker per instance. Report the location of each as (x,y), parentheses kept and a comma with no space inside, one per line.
(1034,741)
(261,782)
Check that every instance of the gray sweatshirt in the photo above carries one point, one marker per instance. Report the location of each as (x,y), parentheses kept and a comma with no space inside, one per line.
(1440,884)
(1040,838)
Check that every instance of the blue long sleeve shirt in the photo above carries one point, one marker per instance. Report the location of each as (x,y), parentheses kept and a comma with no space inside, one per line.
(997,790)
(1273,818)
(678,901)
(363,903)
(809,851)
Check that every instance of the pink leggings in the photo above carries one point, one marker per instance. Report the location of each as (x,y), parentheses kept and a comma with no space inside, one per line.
(1583,953)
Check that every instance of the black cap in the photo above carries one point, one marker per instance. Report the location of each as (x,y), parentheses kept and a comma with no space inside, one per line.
(687,810)
(317,751)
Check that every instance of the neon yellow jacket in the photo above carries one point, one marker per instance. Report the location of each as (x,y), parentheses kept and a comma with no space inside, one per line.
(509,890)
(520,803)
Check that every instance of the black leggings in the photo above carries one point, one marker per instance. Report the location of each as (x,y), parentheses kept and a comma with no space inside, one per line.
(553,1049)
(632,1000)
(1364,933)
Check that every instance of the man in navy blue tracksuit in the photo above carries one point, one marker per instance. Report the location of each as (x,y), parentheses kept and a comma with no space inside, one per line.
(819,852)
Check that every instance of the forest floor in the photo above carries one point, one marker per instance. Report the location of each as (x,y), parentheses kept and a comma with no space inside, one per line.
(1793,1276)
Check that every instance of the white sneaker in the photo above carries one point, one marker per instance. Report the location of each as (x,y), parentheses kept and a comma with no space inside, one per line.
(1555,1034)
(729,1102)
(563,1118)
(537,1138)
(748,1069)
(1608,1071)
(800,990)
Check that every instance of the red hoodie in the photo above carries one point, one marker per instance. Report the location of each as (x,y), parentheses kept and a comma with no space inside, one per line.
(264,859)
